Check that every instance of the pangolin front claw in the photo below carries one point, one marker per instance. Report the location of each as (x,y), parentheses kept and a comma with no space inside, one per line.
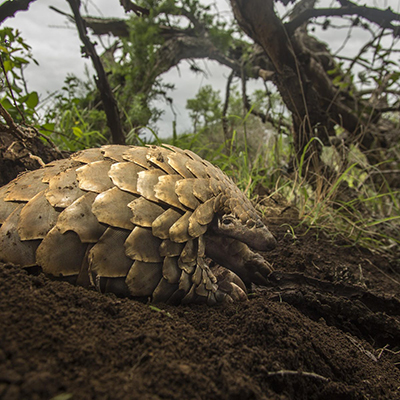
(258,269)
(230,285)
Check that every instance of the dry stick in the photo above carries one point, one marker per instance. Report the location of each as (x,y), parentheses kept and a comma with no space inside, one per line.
(107,97)
(284,372)
(225,109)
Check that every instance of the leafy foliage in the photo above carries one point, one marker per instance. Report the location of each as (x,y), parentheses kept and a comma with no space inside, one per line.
(74,120)
(15,55)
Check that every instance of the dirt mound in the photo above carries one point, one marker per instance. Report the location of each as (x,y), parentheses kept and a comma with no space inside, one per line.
(326,328)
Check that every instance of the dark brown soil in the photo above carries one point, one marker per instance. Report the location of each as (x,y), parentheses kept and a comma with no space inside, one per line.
(328,327)
(23,151)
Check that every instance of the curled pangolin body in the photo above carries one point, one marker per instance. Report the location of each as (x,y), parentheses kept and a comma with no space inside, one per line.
(136,221)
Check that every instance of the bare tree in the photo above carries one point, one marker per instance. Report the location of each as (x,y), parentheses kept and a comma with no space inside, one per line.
(302,72)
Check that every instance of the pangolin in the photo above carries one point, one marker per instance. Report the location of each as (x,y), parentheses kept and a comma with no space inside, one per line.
(136,221)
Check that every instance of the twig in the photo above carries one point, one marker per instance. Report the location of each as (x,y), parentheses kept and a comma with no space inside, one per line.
(285,372)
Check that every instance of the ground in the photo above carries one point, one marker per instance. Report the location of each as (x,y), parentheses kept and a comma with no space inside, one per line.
(332,335)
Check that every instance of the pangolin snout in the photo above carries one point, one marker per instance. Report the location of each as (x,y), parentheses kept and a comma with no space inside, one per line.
(262,239)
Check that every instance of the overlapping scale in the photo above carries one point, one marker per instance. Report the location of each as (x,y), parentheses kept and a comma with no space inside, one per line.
(179,230)
(94,177)
(159,157)
(61,254)
(169,248)
(25,186)
(55,167)
(6,207)
(114,151)
(143,278)
(137,155)
(146,182)
(88,156)
(79,218)
(184,188)
(12,249)
(63,189)
(111,208)
(107,257)
(143,246)
(189,252)
(178,162)
(196,167)
(163,291)
(162,224)
(125,176)
(144,212)
(37,217)
(165,190)
(170,269)
(204,213)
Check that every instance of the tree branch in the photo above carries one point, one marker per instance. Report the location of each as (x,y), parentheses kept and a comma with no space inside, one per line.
(382,18)
(129,6)
(107,97)
(9,8)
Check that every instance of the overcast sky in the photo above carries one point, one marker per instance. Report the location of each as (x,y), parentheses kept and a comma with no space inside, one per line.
(56,46)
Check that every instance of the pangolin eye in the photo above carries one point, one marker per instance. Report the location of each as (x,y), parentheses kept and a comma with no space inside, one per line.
(227,221)
(250,223)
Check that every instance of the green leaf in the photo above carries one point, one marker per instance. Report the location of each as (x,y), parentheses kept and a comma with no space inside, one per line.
(21,60)
(47,129)
(6,104)
(77,132)
(336,79)
(8,65)
(32,100)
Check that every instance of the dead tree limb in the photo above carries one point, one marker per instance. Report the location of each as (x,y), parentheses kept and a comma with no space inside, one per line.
(225,127)
(107,97)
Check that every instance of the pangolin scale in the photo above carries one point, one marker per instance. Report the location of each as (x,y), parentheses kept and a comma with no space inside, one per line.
(136,221)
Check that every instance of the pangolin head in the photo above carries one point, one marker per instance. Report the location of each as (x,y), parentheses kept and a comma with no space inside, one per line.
(237,218)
